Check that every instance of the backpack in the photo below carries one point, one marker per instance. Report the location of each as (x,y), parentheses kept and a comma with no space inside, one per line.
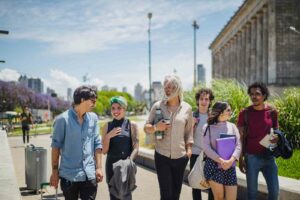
(283,148)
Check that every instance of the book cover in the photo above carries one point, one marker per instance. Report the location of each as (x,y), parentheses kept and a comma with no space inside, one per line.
(226,147)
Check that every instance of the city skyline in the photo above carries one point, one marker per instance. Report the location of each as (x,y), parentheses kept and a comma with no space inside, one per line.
(63,42)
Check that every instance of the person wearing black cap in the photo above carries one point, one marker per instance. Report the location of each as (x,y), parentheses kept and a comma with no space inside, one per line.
(120,142)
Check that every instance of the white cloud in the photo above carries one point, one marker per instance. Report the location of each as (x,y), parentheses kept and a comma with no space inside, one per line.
(86,27)
(9,75)
(60,81)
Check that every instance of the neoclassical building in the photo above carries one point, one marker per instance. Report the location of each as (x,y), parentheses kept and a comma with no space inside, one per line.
(257,44)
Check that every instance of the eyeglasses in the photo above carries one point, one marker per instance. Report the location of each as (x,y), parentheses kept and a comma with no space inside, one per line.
(256,94)
(93,100)
(228,110)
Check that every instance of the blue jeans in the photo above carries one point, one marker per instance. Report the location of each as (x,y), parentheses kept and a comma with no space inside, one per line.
(268,167)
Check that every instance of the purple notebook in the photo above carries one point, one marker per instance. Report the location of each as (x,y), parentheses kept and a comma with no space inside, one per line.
(225,148)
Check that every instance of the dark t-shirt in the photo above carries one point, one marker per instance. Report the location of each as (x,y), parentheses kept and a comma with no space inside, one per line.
(27,121)
(259,125)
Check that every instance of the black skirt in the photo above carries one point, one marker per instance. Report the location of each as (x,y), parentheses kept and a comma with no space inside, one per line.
(219,175)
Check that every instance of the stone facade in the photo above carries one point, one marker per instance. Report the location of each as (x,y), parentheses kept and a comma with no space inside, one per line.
(257,44)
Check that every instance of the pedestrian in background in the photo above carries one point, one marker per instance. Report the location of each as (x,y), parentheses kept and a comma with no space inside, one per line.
(120,142)
(204,98)
(220,173)
(174,137)
(76,143)
(254,123)
(26,120)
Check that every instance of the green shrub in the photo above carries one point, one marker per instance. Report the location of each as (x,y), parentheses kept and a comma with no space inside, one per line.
(288,106)
(224,90)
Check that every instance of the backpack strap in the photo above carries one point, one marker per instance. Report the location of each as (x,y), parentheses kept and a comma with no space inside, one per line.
(128,125)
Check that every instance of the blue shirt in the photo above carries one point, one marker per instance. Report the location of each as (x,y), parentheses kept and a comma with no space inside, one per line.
(77,144)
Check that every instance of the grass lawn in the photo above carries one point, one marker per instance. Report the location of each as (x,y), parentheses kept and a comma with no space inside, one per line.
(36,130)
(290,168)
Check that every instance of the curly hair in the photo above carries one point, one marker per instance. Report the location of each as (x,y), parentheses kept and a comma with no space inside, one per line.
(204,91)
(263,88)
(216,111)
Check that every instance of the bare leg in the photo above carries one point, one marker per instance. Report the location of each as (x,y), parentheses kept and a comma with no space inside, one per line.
(217,189)
(231,192)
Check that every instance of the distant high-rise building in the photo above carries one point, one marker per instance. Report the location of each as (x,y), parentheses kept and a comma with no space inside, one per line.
(157,91)
(36,85)
(124,89)
(23,80)
(69,95)
(201,73)
(113,89)
(50,91)
(138,92)
(105,88)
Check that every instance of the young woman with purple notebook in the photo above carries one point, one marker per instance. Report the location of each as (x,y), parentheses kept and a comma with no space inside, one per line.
(220,172)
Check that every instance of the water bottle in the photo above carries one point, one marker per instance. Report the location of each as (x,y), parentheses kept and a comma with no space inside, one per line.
(158,116)
(272,146)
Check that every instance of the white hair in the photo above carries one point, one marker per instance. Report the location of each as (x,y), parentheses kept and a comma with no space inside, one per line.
(176,82)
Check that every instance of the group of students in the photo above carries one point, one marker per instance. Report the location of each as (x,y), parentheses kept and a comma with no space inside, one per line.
(77,141)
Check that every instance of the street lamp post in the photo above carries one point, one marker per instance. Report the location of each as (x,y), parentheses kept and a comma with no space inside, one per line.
(196,26)
(4,32)
(149,48)
(294,29)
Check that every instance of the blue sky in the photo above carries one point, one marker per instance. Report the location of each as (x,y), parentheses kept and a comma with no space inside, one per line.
(61,41)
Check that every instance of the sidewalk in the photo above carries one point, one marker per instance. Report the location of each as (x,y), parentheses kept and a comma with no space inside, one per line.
(146,180)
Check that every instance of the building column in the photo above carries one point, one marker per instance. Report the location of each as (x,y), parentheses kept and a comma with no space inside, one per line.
(248,52)
(271,43)
(265,46)
(259,47)
(226,64)
(231,66)
(253,50)
(235,63)
(222,72)
(243,55)
(238,72)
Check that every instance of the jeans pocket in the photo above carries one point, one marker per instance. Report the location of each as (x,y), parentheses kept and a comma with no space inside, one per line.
(65,184)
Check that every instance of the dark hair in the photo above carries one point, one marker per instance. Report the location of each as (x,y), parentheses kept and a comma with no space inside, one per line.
(204,91)
(85,93)
(24,108)
(263,88)
(216,111)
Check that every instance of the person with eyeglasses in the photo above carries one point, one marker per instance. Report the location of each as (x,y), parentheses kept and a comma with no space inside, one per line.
(173,146)
(255,122)
(220,172)
(121,144)
(76,142)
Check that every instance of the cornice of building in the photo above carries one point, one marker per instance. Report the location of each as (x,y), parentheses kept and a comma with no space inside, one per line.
(237,21)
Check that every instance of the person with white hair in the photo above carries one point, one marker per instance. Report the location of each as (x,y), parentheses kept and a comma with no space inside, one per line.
(174,148)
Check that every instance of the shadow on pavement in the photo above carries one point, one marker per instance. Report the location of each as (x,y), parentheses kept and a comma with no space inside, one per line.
(26,192)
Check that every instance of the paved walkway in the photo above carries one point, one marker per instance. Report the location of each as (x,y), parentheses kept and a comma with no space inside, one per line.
(146,180)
